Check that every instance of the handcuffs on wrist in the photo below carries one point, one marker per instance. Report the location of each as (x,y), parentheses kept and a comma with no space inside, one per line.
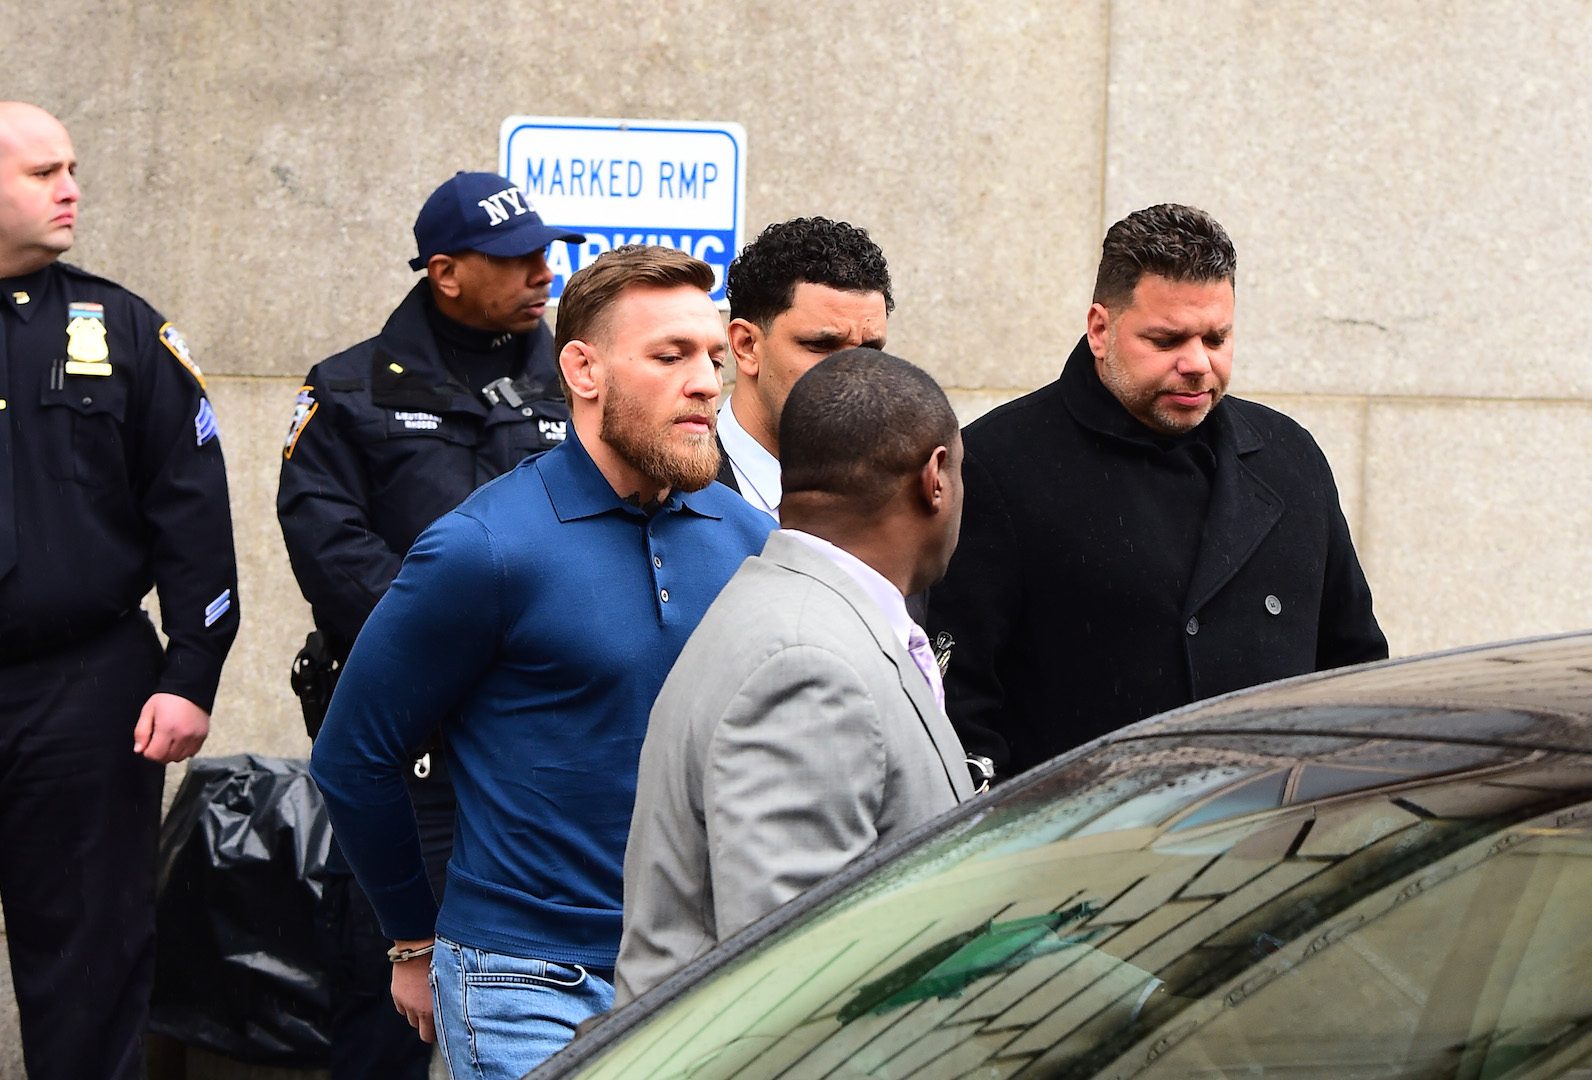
(398,956)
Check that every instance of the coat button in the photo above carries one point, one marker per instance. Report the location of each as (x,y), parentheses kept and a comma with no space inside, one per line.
(1193,626)
(88,401)
(1273,605)
(663,594)
(657,561)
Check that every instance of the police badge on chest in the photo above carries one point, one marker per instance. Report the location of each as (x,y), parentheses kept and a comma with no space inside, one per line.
(86,350)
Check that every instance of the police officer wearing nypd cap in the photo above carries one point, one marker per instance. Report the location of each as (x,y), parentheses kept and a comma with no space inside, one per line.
(111,483)
(459,386)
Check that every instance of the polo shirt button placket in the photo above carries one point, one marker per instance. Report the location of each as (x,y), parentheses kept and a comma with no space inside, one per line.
(657,565)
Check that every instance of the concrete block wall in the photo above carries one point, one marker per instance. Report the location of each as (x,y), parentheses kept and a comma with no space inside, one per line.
(1405,184)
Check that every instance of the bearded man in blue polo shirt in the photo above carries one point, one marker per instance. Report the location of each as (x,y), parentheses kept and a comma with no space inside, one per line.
(534,626)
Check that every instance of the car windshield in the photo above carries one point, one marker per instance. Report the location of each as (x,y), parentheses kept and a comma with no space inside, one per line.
(1213,906)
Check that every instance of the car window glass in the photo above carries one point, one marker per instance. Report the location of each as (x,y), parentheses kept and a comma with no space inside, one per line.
(1479,968)
(1262,793)
(1444,913)
(1313,782)
(1175,792)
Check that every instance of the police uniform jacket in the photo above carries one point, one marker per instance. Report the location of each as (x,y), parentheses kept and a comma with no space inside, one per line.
(384,441)
(111,479)
(1083,594)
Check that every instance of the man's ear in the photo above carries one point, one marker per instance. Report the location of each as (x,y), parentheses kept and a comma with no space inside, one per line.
(579,362)
(745,337)
(932,482)
(1099,329)
(443,270)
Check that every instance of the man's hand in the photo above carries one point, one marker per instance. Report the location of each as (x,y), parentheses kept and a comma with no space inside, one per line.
(170,728)
(411,990)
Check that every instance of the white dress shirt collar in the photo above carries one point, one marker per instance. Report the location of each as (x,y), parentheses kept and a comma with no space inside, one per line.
(756,470)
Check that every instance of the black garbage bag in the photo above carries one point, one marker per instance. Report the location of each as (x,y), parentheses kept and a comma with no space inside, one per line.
(239,955)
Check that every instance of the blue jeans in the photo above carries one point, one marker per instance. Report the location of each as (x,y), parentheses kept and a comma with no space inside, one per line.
(499,1016)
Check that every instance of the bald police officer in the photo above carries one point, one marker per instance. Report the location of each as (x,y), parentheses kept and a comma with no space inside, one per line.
(111,483)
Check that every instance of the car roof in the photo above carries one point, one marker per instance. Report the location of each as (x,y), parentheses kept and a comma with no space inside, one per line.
(1535,693)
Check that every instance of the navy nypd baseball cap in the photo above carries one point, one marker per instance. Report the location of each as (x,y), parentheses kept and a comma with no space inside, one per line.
(480,211)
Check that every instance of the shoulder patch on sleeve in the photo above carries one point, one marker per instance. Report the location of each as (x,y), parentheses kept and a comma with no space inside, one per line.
(204,423)
(172,338)
(304,407)
(218,607)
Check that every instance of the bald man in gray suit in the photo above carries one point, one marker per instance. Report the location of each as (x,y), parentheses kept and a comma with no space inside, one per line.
(804,723)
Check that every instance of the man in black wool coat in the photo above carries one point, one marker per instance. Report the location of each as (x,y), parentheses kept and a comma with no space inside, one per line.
(1134,539)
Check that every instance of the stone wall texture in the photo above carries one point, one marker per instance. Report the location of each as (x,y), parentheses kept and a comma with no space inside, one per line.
(1406,184)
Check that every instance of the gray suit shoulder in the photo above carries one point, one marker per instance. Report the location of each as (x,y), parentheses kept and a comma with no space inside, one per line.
(781,607)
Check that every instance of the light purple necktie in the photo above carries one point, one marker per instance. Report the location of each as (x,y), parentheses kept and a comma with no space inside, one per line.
(923,657)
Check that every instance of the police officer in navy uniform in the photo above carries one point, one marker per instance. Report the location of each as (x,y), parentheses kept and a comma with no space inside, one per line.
(111,483)
(459,387)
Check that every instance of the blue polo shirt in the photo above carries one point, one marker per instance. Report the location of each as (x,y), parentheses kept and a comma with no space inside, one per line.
(535,625)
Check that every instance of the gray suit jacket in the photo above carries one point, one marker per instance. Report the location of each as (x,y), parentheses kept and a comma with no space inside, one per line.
(793,733)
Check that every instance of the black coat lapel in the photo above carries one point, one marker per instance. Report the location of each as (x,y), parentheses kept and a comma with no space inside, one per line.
(1242,511)
(726,473)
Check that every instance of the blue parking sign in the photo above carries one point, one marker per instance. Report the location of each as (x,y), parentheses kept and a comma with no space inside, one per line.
(676,183)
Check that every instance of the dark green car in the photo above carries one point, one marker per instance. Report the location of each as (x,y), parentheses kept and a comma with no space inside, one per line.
(1384,872)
